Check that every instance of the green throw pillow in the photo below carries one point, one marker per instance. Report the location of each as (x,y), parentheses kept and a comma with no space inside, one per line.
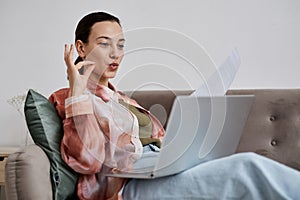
(46,130)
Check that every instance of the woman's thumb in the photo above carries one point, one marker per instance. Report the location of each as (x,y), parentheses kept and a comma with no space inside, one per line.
(88,67)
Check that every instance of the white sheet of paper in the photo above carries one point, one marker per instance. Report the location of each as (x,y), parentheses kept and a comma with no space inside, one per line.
(218,83)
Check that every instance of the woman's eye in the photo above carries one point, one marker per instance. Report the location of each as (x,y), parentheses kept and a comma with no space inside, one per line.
(121,46)
(104,44)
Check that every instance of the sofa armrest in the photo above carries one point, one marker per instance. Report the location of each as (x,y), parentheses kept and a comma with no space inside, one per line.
(27,174)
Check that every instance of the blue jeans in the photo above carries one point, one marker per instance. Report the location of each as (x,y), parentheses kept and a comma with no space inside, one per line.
(240,176)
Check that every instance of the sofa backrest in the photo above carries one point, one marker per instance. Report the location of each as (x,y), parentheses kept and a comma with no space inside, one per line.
(272,128)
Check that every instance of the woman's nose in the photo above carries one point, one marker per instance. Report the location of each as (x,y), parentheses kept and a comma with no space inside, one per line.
(115,52)
(112,56)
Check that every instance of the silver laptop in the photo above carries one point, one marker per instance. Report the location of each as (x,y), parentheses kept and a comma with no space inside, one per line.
(199,129)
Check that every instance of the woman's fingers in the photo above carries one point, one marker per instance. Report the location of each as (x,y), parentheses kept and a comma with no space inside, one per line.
(68,55)
(66,52)
(84,63)
(89,67)
(71,52)
(87,63)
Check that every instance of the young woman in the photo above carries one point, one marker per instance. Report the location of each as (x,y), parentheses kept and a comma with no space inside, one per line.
(105,131)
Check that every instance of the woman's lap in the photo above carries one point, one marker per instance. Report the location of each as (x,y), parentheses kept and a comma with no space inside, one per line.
(148,160)
(240,176)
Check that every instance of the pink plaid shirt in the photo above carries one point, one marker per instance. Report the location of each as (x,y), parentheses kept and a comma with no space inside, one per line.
(100,135)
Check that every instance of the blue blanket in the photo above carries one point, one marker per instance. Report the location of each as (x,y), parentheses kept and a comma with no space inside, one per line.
(240,176)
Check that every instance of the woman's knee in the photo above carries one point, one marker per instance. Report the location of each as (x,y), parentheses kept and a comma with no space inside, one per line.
(247,158)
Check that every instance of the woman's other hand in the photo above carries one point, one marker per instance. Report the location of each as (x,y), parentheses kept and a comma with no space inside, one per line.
(77,81)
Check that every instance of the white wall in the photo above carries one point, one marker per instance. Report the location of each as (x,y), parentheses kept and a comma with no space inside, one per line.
(266,33)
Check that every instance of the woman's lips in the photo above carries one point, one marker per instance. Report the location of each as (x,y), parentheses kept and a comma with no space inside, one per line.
(113,66)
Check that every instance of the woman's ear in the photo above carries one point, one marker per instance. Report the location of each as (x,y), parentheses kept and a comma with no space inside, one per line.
(80,48)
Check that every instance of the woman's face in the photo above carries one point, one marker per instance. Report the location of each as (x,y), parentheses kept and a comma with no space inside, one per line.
(105,48)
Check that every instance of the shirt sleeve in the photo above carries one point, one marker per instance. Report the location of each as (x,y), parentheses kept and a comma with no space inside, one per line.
(83,143)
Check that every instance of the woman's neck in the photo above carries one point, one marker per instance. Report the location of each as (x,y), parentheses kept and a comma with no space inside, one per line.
(100,81)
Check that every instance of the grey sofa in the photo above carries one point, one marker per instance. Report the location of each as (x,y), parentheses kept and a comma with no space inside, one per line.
(272,130)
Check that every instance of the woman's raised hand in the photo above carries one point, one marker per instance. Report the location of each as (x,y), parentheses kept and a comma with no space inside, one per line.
(77,81)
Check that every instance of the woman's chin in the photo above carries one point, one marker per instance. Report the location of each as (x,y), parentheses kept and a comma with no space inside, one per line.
(110,74)
(106,75)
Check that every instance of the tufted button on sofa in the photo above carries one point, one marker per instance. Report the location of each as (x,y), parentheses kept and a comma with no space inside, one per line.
(273,126)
